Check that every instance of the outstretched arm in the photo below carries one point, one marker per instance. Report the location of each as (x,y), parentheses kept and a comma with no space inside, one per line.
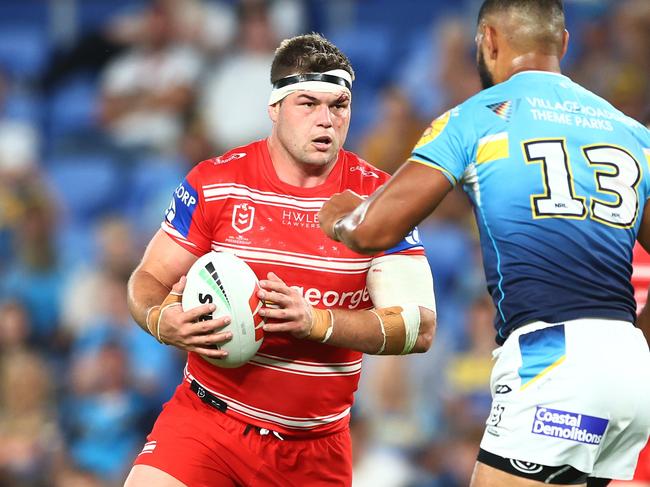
(388,215)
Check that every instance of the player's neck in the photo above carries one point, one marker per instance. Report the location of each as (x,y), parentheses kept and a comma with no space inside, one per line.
(297,173)
(533,61)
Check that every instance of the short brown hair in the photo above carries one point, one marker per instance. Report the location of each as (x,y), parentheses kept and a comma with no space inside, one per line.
(308,53)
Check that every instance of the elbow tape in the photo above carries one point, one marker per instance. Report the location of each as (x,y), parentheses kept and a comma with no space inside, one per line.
(400,326)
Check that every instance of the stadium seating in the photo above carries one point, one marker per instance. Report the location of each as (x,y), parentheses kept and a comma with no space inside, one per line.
(72,107)
(24,50)
(152,183)
(86,185)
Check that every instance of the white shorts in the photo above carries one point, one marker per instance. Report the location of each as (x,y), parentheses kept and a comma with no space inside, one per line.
(574,393)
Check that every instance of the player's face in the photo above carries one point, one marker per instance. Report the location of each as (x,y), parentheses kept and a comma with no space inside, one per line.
(487,79)
(312,126)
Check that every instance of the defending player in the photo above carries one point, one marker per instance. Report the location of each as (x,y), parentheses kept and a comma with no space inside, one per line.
(281,419)
(559,180)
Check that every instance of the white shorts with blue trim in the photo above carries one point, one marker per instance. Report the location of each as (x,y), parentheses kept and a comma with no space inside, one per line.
(574,393)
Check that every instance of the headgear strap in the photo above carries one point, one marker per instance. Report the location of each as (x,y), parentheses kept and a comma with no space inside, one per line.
(334,81)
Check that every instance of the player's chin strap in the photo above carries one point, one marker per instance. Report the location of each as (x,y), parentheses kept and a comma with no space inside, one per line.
(399,325)
(334,81)
(154,314)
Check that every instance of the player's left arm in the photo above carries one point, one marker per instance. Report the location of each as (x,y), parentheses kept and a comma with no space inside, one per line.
(439,160)
(403,320)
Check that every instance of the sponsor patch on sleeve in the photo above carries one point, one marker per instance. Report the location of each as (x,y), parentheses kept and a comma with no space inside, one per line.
(569,426)
(434,130)
(181,209)
(412,240)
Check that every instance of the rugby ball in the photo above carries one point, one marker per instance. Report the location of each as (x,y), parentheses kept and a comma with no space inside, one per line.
(227,281)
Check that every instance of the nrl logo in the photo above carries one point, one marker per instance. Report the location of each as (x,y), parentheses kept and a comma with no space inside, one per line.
(242,217)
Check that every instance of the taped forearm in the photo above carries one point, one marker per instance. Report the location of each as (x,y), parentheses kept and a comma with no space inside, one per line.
(155,314)
(380,331)
(399,327)
(145,296)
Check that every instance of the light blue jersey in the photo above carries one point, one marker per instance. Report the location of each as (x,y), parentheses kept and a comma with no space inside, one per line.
(559,179)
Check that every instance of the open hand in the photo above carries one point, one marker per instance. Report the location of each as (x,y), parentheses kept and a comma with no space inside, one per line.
(193,330)
(286,310)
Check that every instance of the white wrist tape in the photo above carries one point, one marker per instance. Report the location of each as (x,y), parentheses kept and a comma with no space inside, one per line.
(411,317)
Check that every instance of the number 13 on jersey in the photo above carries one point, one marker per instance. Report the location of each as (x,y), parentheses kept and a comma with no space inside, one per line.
(617,173)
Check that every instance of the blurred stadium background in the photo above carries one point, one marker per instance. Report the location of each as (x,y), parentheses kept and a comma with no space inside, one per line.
(105,104)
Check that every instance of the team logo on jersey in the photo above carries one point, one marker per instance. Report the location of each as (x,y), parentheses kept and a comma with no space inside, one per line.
(413,238)
(411,241)
(170,213)
(434,130)
(495,415)
(242,217)
(502,109)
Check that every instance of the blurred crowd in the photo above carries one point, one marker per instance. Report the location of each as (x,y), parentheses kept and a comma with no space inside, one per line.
(105,105)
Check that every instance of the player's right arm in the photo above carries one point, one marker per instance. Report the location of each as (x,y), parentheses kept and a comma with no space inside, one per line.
(156,286)
(154,294)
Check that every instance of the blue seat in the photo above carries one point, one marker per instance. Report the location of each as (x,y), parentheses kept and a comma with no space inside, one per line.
(24,50)
(152,183)
(365,109)
(407,15)
(94,14)
(86,185)
(369,50)
(33,12)
(75,244)
(72,107)
(24,105)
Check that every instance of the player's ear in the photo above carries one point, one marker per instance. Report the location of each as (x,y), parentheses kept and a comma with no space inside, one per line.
(274,111)
(565,43)
(491,41)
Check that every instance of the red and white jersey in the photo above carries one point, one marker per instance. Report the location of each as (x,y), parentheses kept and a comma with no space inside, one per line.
(237,203)
(640,276)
